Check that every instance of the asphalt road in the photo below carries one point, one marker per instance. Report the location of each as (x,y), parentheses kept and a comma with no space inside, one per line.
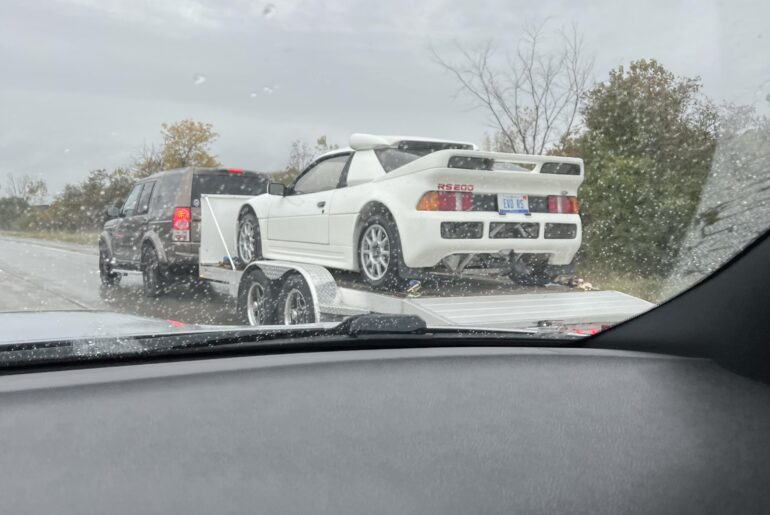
(40,275)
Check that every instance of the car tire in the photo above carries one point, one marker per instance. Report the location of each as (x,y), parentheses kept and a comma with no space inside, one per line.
(249,243)
(295,302)
(256,299)
(107,276)
(153,278)
(536,273)
(379,253)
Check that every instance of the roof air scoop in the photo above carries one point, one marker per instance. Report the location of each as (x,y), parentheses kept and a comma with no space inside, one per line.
(360,141)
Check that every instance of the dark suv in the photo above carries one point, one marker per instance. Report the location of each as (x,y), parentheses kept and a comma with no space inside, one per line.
(157,230)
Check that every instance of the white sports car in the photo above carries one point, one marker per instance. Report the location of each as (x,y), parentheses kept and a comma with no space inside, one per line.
(391,207)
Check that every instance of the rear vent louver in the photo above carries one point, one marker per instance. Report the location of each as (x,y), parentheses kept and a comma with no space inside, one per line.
(560,168)
(471,163)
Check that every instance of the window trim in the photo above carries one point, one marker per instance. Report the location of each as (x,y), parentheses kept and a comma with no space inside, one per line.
(315,163)
(139,211)
(125,203)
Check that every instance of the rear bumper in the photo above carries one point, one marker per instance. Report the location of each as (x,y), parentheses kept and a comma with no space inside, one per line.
(182,256)
(423,246)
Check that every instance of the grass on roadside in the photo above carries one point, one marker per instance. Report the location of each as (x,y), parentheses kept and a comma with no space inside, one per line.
(83,238)
(647,288)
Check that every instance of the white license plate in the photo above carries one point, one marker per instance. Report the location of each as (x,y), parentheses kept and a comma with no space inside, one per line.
(512,203)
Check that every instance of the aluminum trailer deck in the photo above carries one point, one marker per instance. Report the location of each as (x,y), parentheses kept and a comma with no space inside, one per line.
(461,302)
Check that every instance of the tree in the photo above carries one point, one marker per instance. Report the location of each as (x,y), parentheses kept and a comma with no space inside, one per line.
(24,187)
(12,211)
(301,155)
(148,161)
(735,204)
(648,143)
(532,99)
(187,143)
(82,206)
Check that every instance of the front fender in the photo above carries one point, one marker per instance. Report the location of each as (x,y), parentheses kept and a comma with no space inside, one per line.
(105,241)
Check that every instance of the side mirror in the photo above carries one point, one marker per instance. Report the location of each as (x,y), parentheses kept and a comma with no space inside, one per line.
(113,211)
(277,189)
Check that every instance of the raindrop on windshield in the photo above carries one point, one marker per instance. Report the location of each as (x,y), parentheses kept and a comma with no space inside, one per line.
(268,11)
(269,90)
(66,151)
(198,79)
(252,95)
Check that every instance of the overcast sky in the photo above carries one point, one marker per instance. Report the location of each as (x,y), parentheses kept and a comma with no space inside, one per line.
(85,83)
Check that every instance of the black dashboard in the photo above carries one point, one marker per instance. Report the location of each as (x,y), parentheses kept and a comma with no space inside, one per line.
(466,430)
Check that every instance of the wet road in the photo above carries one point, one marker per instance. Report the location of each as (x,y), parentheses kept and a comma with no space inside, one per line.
(40,275)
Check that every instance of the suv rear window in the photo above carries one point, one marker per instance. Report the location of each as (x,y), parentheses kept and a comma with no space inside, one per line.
(226,183)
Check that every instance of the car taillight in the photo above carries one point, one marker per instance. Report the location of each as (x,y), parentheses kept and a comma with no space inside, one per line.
(180,224)
(445,201)
(562,204)
(234,170)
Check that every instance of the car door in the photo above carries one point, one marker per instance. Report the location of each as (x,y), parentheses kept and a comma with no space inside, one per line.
(121,237)
(136,225)
(302,216)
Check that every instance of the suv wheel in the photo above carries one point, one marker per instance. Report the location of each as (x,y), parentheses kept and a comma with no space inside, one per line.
(248,238)
(153,279)
(107,276)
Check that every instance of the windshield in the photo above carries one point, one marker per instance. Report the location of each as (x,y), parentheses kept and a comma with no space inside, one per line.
(551,169)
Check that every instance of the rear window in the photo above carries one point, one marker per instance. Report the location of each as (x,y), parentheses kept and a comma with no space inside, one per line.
(408,151)
(226,183)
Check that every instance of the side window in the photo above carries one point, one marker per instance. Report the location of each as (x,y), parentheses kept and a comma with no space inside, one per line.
(144,200)
(322,177)
(132,200)
(164,195)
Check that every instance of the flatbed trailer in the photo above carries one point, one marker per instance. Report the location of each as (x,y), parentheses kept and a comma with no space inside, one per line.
(445,301)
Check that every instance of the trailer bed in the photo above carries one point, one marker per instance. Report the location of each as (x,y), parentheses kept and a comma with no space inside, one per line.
(476,301)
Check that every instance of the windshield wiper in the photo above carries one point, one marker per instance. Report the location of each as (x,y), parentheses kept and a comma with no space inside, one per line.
(359,332)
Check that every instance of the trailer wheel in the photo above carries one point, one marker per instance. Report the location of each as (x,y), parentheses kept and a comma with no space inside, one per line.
(256,299)
(295,302)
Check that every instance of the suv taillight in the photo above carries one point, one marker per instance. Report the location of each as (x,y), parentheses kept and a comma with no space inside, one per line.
(562,204)
(180,224)
(445,201)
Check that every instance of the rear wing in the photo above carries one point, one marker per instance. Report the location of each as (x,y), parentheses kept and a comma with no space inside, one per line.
(496,161)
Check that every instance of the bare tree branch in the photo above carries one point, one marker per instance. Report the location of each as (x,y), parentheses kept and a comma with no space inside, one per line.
(534,96)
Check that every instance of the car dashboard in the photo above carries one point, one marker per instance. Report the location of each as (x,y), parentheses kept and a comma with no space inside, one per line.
(493,430)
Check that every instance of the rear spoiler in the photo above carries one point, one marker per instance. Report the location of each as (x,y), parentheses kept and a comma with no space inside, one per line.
(500,161)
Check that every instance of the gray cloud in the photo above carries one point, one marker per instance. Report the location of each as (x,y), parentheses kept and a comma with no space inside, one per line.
(98,77)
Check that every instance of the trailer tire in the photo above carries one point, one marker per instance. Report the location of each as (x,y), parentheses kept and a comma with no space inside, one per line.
(295,302)
(256,299)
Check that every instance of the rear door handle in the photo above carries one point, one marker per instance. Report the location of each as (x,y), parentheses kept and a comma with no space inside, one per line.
(321,204)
